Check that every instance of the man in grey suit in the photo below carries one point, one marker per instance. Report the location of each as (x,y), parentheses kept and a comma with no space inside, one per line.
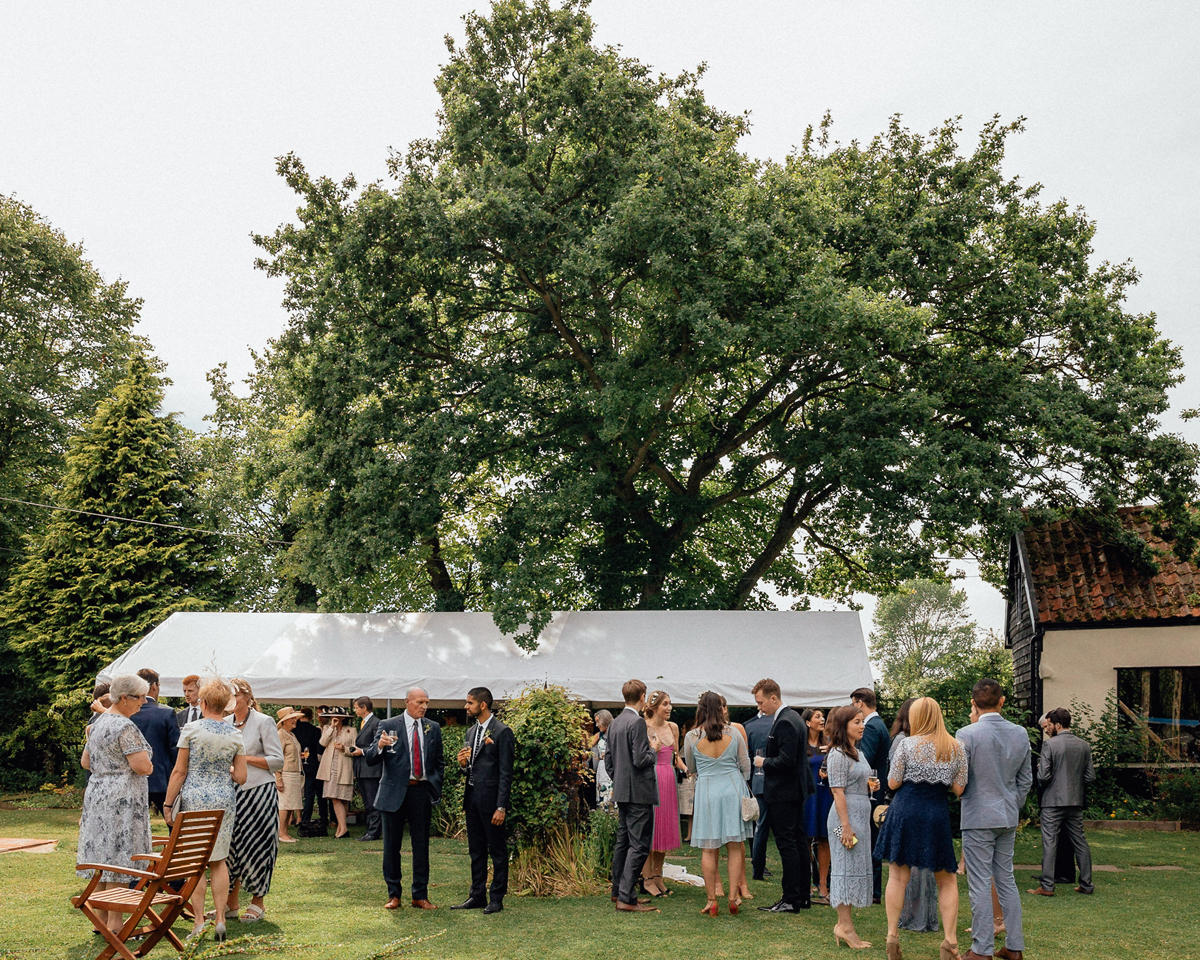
(365,771)
(630,761)
(1065,769)
(999,779)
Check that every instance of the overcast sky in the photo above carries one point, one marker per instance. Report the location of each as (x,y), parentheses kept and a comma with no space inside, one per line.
(148,132)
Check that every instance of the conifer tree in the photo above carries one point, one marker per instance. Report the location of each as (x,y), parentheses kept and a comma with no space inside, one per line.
(91,586)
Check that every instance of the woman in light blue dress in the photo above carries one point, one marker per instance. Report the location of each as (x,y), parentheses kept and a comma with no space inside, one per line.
(210,765)
(717,754)
(848,822)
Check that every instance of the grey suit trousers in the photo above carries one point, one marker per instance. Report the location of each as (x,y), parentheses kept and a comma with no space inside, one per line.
(635,831)
(1057,821)
(988,852)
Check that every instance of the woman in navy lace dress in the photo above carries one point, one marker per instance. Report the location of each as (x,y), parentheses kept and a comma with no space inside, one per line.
(927,766)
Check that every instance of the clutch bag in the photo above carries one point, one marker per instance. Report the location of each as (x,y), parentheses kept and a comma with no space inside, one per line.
(749,809)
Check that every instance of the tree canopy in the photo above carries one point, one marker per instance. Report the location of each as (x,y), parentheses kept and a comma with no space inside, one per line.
(584,352)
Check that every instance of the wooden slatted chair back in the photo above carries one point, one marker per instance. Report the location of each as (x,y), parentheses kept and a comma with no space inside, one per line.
(187,851)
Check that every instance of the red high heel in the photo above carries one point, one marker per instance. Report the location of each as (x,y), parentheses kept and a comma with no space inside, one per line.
(734,906)
(711,909)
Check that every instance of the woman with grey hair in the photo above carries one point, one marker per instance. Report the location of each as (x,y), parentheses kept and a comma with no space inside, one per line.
(114,825)
(604,784)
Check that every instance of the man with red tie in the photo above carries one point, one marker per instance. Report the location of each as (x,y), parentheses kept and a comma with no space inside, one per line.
(410,748)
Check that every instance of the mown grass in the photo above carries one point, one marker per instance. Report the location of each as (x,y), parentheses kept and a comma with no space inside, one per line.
(328,896)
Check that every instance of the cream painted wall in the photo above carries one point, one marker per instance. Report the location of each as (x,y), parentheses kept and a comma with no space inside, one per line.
(1083,664)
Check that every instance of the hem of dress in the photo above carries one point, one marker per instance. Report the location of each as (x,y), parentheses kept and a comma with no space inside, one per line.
(717,844)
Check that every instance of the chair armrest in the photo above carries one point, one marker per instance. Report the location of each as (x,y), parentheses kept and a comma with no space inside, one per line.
(159,841)
(146,856)
(110,868)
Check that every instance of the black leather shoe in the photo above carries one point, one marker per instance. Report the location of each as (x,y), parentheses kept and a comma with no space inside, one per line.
(780,907)
(367,837)
(494,907)
(469,904)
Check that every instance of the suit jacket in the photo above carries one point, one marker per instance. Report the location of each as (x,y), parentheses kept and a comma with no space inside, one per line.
(1065,768)
(876,746)
(181,717)
(999,773)
(491,771)
(787,774)
(159,727)
(368,734)
(310,739)
(758,731)
(397,766)
(630,761)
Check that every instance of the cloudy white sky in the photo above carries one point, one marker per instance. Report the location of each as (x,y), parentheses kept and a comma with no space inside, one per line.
(149,132)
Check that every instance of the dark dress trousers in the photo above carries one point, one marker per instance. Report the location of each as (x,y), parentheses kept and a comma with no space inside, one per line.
(876,746)
(630,761)
(367,774)
(757,732)
(489,782)
(161,730)
(787,783)
(400,800)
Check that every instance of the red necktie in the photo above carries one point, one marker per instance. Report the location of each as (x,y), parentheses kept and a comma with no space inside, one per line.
(416,750)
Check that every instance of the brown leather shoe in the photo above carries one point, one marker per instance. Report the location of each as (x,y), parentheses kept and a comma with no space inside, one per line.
(972,955)
(392,904)
(1005,954)
(636,907)
(424,905)
(640,899)
(1088,892)
(1041,892)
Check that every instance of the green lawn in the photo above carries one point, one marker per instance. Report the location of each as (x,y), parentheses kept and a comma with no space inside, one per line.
(329,895)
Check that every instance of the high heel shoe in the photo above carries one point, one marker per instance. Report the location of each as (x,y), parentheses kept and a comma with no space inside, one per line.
(196,934)
(219,933)
(840,937)
(734,905)
(893,948)
(948,951)
(711,909)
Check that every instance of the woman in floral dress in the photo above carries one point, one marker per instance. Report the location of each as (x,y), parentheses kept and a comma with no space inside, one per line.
(114,824)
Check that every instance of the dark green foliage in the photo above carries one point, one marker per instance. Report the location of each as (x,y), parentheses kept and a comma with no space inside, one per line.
(550,762)
(586,354)
(1178,794)
(448,817)
(91,587)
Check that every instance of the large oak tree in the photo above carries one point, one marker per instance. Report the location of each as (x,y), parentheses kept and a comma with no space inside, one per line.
(584,352)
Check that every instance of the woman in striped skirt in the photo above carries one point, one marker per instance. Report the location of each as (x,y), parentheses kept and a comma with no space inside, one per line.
(255,842)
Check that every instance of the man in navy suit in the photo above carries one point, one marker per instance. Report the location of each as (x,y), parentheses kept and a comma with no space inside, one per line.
(161,730)
(411,750)
(875,745)
(487,761)
(758,731)
(366,772)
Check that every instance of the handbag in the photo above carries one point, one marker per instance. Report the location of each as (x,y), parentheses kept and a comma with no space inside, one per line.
(686,792)
(749,809)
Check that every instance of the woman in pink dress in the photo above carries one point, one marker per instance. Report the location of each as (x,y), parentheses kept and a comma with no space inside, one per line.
(664,739)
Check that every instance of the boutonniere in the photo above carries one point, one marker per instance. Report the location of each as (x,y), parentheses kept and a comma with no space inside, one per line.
(425,728)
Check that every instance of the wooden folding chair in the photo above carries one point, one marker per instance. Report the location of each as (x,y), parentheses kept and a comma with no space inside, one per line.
(184,857)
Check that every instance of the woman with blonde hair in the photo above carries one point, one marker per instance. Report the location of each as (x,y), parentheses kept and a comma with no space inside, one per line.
(663,735)
(209,749)
(927,766)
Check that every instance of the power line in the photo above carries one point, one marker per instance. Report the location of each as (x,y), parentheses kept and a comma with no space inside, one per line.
(148,523)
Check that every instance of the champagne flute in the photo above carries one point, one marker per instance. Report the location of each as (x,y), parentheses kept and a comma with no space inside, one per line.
(873,780)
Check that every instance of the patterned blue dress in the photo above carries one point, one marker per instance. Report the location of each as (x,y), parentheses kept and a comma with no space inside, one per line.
(720,786)
(850,870)
(211,746)
(916,832)
(114,824)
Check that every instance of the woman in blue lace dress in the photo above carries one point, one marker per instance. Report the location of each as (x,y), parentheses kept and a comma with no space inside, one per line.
(848,822)
(717,754)
(928,765)
(210,765)
(920,914)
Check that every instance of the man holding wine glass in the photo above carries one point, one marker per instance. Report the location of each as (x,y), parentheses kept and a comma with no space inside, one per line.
(410,748)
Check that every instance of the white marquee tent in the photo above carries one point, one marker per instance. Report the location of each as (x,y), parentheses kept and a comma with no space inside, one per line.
(817,657)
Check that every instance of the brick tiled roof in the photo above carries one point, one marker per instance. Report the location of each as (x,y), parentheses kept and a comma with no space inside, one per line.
(1077,578)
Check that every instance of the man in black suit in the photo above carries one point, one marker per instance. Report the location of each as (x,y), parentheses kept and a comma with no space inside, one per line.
(161,730)
(757,732)
(366,772)
(411,750)
(787,782)
(876,745)
(191,693)
(310,743)
(630,761)
(487,757)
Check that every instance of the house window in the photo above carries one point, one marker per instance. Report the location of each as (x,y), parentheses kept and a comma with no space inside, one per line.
(1162,705)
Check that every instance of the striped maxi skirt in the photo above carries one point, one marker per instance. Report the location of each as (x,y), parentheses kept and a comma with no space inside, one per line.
(255,841)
